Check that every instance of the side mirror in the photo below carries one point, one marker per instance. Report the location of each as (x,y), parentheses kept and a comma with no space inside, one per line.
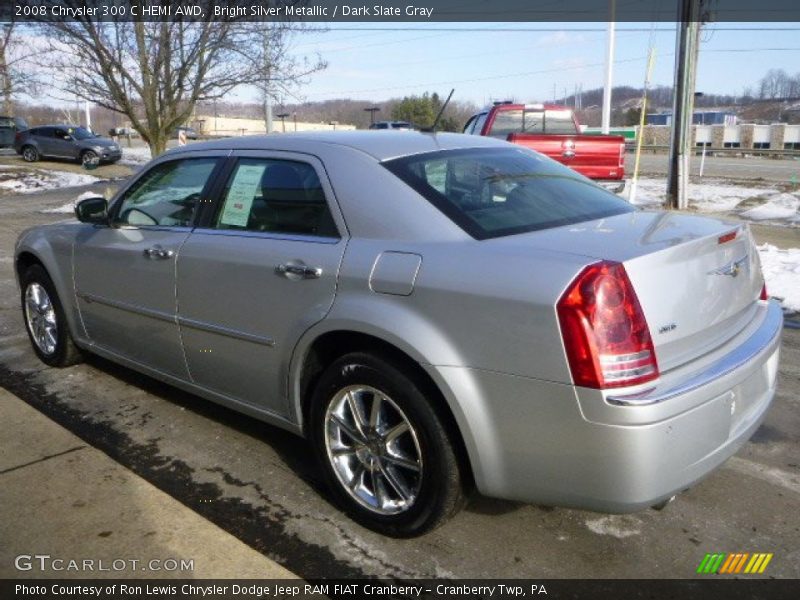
(68,138)
(92,210)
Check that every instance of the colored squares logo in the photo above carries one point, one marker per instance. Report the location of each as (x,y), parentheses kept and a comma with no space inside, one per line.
(735,562)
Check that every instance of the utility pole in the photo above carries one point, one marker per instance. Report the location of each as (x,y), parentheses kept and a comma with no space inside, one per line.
(687,44)
(606,118)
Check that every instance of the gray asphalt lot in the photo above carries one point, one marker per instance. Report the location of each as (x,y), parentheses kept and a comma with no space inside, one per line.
(729,167)
(260,484)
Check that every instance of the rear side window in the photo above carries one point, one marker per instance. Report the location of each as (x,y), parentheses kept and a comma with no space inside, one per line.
(503,191)
(275,196)
(532,121)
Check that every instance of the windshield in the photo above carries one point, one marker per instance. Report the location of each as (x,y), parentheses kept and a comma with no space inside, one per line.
(80,133)
(492,192)
(533,121)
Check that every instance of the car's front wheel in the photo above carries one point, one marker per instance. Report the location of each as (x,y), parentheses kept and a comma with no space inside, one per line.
(30,154)
(45,320)
(89,158)
(386,454)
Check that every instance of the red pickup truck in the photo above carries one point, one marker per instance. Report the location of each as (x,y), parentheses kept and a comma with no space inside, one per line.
(554,131)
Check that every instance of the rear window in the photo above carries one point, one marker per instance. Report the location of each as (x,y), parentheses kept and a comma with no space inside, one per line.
(493,192)
(556,122)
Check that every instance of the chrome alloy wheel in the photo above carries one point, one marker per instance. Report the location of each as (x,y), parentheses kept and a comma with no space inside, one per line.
(373,449)
(40,316)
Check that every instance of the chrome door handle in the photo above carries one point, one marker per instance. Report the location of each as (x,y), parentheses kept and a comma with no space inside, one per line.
(298,271)
(158,252)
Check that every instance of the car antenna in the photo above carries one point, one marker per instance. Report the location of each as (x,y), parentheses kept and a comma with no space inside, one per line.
(432,128)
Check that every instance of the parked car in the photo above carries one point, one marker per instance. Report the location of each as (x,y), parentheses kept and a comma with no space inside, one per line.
(189,132)
(395,125)
(66,141)
(554,131)
(427,310)
(9,126)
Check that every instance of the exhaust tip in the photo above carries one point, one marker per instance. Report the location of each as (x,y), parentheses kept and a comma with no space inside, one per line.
(663,504)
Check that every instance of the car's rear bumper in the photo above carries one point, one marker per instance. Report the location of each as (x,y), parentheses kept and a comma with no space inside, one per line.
(554,444)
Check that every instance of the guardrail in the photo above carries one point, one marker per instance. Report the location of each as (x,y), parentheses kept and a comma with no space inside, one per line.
(655,149)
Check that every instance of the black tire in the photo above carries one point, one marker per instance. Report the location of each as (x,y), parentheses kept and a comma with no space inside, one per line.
(65,353)
(30,153)
(88,156)
(440,485)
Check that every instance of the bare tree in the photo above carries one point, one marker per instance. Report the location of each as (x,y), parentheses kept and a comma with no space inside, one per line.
(154,72)
(16,73)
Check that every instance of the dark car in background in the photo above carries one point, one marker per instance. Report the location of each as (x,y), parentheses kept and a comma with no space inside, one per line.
(9,126)
(396,125)
(66,141)
(189,132)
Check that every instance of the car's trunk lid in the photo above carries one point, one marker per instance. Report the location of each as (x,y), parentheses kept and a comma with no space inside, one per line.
(697,278)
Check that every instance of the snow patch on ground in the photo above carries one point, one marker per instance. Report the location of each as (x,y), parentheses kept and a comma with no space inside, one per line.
(24,181)
(782,272)
(135,156)
(69,207)
(706,197)
(618,526)
(777,208)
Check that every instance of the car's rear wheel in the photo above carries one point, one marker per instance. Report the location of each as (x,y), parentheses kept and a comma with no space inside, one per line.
(30,154)
(45,320)
(386,454)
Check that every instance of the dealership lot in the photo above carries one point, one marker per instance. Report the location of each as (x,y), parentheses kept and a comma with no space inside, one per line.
(260,483)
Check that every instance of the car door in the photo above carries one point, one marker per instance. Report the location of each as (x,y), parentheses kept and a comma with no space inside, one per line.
(62,144)
(125,273)
(45,140)
(260,271)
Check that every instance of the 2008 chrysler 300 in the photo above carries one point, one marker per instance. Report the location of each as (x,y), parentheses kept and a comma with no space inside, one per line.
(432,311)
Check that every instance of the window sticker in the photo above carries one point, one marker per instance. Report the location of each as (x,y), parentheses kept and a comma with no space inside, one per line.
(241,195)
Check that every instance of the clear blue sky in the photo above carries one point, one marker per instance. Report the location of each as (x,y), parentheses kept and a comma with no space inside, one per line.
(525,65)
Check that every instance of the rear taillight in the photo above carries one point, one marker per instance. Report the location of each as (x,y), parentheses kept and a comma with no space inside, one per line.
(605,333)
(764,295)
(622,155)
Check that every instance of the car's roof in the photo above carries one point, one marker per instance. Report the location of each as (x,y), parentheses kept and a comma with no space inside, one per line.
(65,125)
(380,144)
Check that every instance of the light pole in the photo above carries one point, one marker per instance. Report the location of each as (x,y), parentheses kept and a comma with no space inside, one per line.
(372,110)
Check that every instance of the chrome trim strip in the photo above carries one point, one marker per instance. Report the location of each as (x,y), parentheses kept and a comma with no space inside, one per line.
(226,331)
(133,308)
(290,237)
(762,339)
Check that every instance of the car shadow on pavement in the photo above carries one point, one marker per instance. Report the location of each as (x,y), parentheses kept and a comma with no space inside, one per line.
(293,450)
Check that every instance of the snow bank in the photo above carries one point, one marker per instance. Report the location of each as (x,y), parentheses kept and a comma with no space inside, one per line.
(780,207)
(135,156)
(38,180)
(705,197)
(782,272)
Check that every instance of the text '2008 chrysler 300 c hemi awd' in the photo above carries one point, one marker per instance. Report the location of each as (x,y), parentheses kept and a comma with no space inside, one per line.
(432,311)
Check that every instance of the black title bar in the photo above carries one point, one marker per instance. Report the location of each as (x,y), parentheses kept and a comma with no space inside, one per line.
(427,11)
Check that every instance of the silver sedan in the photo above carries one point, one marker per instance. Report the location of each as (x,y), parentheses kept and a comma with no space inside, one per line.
(434,312)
